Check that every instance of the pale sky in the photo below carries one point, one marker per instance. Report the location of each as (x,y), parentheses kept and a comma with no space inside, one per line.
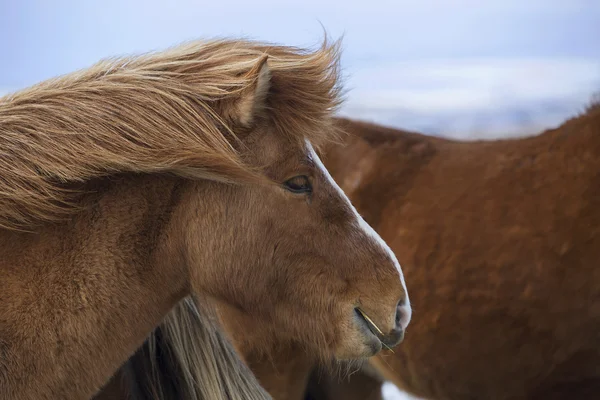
(450,66)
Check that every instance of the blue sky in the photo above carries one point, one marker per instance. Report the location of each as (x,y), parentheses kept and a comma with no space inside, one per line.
(450,67)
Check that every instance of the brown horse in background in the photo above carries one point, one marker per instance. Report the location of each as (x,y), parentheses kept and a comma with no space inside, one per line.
(139,182)
(500,242)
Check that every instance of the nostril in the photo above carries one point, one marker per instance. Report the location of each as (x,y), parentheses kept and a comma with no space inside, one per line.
(393,338)
(399,313)
(398,317)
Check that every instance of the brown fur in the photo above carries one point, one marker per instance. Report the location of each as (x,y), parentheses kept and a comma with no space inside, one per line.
(500,243)
(115,206)
(322,384)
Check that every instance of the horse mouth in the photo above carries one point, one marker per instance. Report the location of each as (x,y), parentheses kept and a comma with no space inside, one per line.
(370,329)
(373,328)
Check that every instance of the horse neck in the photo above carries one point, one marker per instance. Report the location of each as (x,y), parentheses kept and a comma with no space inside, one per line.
(78,298)
(371,158)
(283,373)
(341,158)
(281,368)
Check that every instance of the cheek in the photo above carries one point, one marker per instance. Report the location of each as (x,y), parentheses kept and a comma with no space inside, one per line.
(311,278)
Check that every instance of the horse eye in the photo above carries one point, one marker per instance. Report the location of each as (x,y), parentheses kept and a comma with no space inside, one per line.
(298,184)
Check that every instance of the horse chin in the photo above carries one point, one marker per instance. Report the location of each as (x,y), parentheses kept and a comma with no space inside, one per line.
(363,346)
(359,341)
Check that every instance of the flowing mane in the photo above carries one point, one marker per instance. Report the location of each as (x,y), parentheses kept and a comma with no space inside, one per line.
(187,357)
(140,182)
(155,113)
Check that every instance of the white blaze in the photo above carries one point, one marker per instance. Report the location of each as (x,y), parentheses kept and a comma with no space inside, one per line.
(362,224)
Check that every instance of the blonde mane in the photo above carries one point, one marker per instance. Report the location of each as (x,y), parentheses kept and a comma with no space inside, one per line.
(202,362)
(164,112)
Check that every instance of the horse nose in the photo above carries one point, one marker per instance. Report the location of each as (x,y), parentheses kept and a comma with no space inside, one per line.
(403,315)
(396,335)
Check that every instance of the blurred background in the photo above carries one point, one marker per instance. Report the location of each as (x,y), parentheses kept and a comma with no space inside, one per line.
(460,68)
(467,69)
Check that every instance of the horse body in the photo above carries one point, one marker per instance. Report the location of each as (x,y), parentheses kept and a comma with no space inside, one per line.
(134,184)
(501,241)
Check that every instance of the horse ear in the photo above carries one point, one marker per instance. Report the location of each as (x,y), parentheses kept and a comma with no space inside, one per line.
(252,101)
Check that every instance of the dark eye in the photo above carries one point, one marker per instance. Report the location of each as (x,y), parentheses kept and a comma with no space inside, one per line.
(298,184)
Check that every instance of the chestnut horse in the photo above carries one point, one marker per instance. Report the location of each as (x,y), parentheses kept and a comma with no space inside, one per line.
(138,182)
(501,241)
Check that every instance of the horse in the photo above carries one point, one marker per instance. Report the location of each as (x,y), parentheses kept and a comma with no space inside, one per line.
(189,173)
(499,242)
